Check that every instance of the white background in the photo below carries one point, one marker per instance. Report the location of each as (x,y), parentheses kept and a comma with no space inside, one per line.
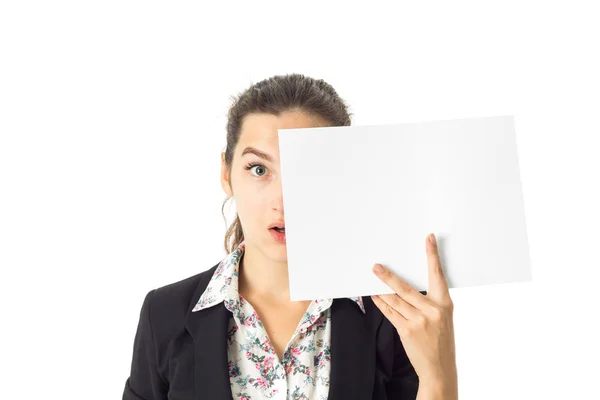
(112,120)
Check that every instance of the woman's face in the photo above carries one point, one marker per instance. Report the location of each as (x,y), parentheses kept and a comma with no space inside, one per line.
(256,180)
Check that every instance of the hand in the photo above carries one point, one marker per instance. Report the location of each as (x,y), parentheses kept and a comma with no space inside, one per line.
(424,322)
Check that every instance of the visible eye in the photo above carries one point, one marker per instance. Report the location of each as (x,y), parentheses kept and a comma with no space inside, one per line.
(260,167)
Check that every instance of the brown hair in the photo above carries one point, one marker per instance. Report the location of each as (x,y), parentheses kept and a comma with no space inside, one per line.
(275,95)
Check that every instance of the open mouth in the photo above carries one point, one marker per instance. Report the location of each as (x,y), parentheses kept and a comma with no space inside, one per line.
(278,234)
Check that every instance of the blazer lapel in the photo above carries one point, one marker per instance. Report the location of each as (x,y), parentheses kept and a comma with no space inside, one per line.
(208,329)
(352,351)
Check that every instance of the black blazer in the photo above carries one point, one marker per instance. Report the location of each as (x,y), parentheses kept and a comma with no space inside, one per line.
(180,355)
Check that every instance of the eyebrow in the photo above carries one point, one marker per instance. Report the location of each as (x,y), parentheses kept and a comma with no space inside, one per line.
(256,152)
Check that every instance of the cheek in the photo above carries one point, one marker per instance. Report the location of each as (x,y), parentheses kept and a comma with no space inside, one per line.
(251,199)
(251,206)
(260,197)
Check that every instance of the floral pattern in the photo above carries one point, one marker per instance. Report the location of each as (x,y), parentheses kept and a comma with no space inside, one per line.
(255,371)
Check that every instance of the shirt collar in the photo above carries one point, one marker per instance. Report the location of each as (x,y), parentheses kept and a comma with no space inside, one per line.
(223,286)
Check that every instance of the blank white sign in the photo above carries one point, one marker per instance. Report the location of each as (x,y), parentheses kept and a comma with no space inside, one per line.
(359,195)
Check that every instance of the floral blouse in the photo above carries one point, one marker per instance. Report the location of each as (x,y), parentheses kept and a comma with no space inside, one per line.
(255,371)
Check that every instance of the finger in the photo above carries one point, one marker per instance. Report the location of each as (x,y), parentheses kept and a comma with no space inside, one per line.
(437,284)
(394,316)
(402,288)
(400,305)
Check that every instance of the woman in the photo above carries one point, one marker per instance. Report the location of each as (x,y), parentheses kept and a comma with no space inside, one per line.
(232,331)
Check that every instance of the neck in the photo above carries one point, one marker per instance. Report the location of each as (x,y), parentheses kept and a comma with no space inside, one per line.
(263,278)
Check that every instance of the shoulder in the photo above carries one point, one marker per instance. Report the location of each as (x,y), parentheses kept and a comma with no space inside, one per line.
(181,293)
(168,305)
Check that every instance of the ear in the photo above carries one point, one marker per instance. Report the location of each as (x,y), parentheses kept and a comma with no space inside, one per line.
(225,183)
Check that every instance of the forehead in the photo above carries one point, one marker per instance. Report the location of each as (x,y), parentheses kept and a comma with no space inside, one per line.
(259,130)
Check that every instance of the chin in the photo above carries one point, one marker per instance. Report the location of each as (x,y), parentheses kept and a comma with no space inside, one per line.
(278,251)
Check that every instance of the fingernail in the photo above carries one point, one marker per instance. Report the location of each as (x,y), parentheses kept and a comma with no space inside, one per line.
(432,239)
(378,269)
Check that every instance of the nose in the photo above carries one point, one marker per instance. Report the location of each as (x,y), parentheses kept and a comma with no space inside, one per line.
(277,198)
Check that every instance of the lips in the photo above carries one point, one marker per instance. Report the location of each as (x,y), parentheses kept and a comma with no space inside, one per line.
(278,234)
(278,224)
